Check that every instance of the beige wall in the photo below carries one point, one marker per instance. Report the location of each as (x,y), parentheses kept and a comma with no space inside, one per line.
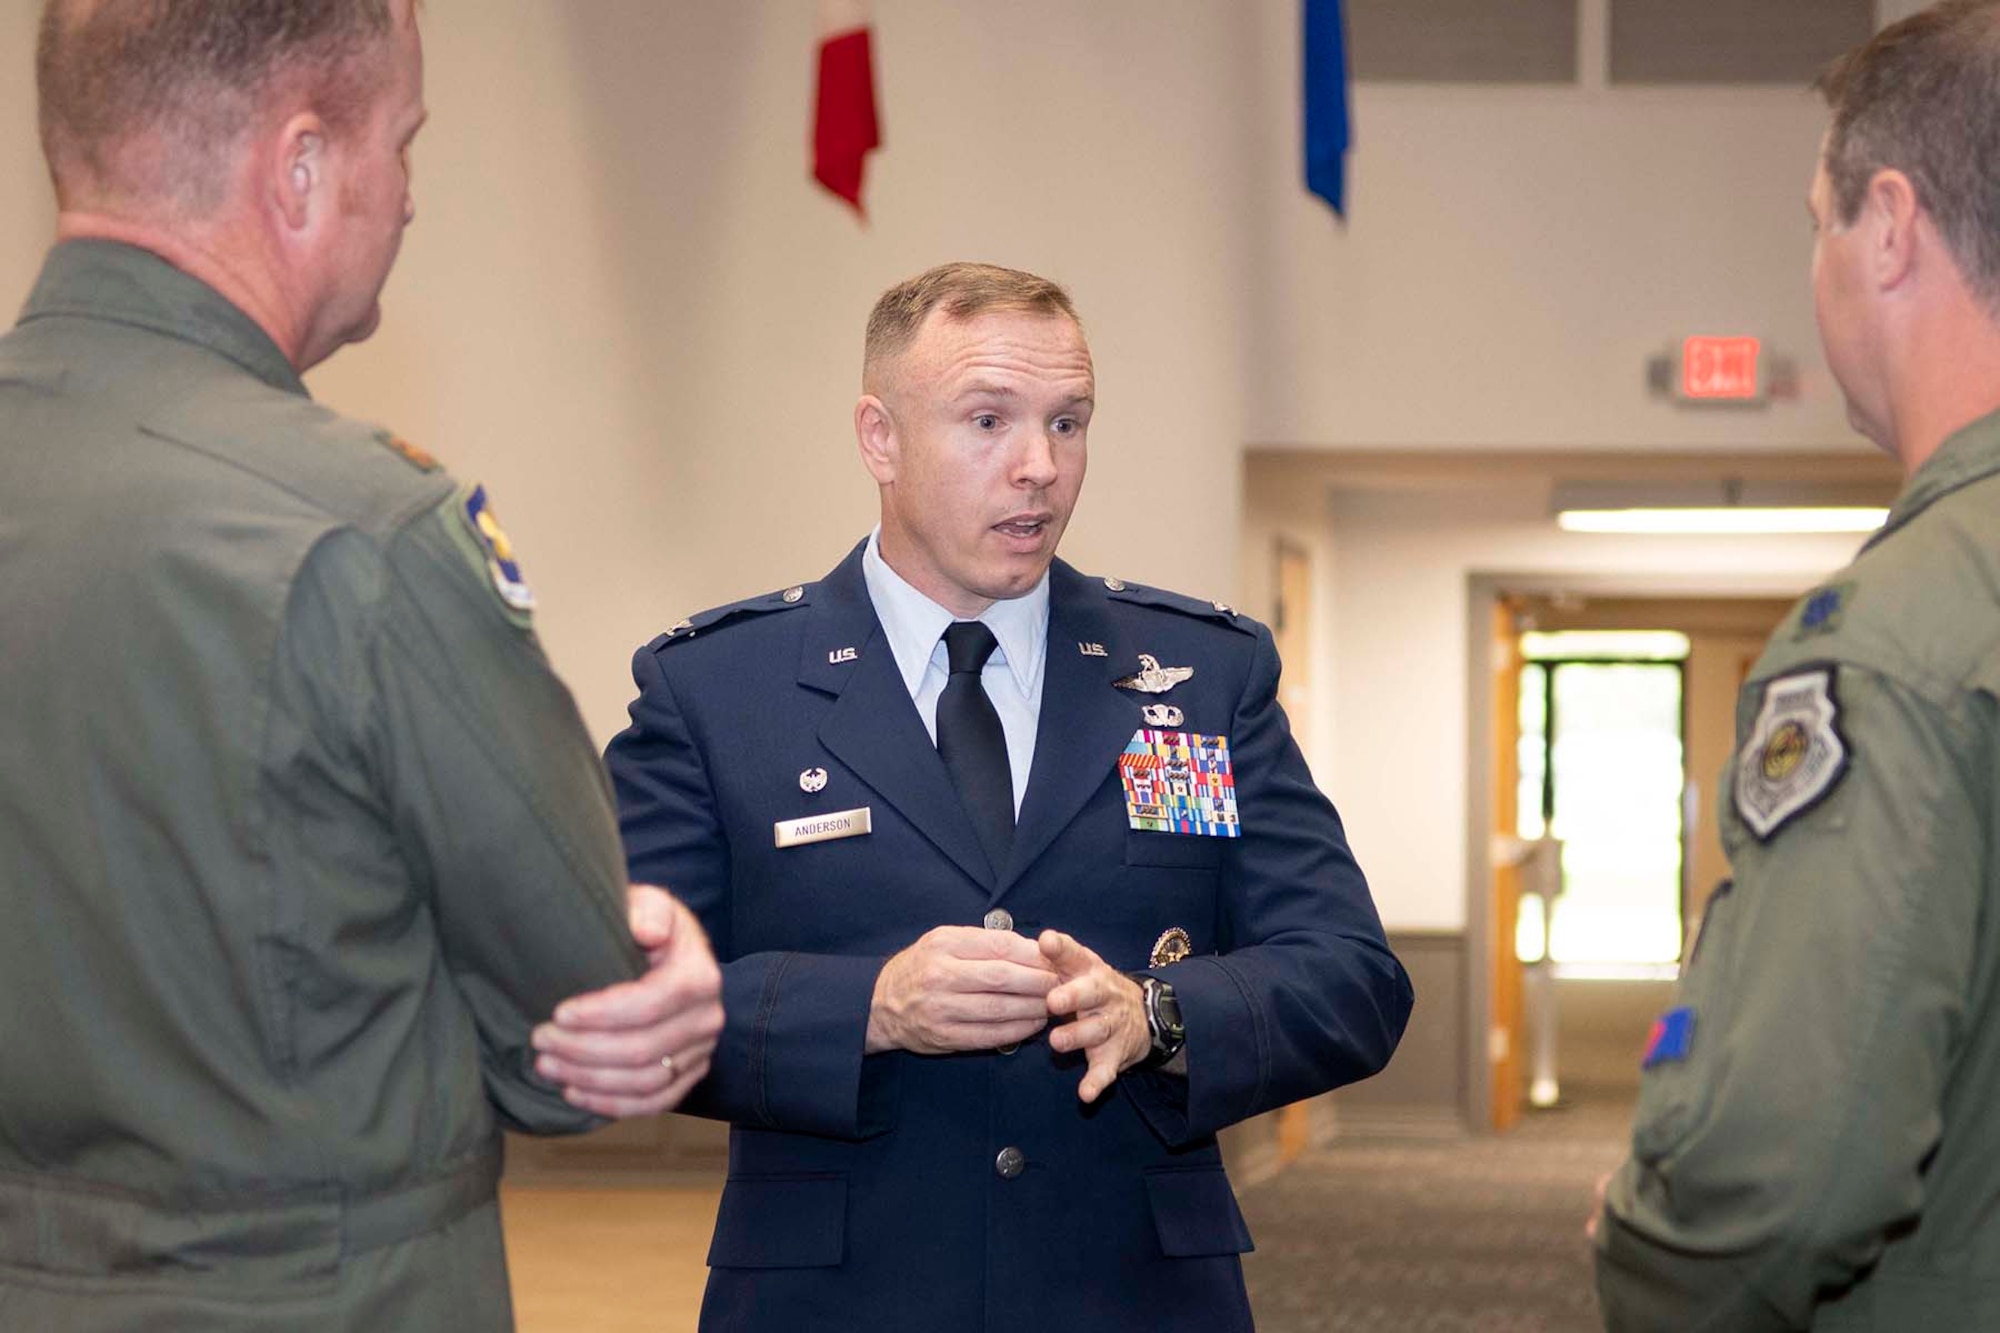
(1276,508)
(26,210)
(1515,254)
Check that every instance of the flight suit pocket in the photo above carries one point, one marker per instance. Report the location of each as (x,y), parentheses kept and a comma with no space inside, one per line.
(1195,1212)
(1173,851)
(780,1222)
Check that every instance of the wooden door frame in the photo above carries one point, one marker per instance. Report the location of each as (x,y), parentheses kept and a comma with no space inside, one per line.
(1483,591)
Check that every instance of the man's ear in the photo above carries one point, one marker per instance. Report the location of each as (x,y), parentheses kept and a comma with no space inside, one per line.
(1891,210)
(875,432)
(301,170)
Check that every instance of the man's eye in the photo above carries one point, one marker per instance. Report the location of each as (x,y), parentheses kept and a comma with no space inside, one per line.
(986,421)
(1066,426)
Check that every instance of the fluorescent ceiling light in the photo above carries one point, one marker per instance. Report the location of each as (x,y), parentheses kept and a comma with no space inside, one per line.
(1571,645)
(1724,520)
(1719,506)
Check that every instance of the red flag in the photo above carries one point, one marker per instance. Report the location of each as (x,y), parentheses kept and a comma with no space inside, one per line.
(844,126)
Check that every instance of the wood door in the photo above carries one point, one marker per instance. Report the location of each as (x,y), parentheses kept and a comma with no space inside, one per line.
(1507,1022)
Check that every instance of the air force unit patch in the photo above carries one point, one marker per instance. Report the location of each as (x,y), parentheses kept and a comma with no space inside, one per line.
(1795,754)
(497,552)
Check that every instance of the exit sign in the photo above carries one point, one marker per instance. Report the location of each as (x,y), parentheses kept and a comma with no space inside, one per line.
(1720,370)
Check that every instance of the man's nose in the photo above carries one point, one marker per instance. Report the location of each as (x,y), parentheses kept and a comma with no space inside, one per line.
(1037,465)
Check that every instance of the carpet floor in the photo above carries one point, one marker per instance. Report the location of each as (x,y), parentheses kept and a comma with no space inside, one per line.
(1468,1236)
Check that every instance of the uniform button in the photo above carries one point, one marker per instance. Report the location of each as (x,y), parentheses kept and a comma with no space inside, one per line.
(793,594)
(1116,585)
(999,919)
(1009,1048)
(1010,1163)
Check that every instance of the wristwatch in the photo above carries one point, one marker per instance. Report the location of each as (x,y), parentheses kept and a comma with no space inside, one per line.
(1163,1020)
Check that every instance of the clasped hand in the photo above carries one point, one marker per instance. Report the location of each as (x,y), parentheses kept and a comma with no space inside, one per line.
(962,988)
(636,1048)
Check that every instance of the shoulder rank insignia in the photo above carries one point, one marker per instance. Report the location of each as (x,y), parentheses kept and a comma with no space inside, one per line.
(1824,609)
(492,540)
(420,459)
(1213,612)
(1152,678)
(1795,753)
(748,609)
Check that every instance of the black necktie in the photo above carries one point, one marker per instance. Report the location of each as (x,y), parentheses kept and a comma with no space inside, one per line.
(972,744)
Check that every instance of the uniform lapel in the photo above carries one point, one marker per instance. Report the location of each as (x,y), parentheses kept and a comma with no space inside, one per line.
(1085,722)
(873,726)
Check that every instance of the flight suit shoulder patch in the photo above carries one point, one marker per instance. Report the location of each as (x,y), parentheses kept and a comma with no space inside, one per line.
(735,613)
(1218,613)
(1795,754)
(1672,1038)
(476,534)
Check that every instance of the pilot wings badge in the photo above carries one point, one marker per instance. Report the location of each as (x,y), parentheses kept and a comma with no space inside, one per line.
(1152,678)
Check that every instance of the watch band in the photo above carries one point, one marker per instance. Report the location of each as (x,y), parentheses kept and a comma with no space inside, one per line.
(1163,1020)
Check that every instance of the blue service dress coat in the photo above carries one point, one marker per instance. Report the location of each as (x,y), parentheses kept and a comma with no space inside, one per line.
(975,1191)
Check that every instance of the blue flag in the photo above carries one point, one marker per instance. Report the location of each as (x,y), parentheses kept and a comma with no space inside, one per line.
(1326,126)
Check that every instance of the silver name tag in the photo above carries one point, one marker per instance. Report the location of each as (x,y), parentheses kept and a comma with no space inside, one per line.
(824,828)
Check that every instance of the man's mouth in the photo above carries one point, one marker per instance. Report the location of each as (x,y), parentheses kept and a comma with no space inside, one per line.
(1023,526)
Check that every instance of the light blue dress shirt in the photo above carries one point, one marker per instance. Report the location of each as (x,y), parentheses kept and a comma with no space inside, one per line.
(915,627)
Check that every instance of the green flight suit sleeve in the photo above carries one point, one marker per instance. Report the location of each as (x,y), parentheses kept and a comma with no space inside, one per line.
(481,765)
(1829,990)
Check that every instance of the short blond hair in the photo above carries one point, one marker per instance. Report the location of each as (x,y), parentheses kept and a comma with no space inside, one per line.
(962,291)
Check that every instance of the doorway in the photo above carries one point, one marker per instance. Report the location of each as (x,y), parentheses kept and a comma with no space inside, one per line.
(1609,718)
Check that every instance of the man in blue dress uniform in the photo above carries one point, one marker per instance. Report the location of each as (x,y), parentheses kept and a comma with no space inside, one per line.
(1021,887)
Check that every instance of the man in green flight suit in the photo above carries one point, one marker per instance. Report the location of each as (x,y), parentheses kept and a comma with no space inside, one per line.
(1816,1144)
(300,839)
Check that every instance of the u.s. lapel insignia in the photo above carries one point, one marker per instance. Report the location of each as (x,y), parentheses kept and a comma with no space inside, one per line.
(1795,754)
(1179,782)
(839,655)
(812,780)
(1152,678)
(1171,947)
(1163,715)
(1092,650)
